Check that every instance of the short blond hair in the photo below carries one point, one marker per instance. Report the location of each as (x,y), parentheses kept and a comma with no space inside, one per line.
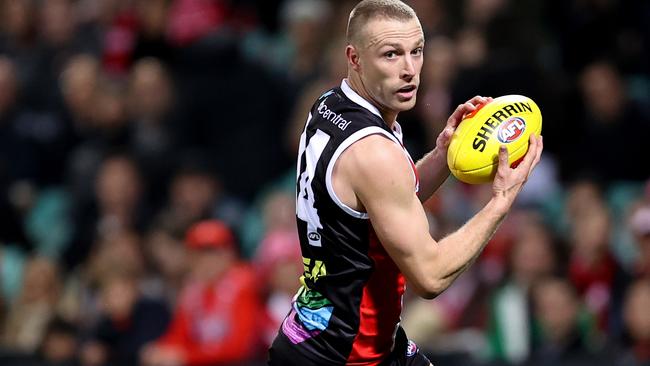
(368,9)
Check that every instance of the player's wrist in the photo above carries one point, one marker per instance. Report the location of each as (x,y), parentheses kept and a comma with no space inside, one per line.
(500,203)
(439,154)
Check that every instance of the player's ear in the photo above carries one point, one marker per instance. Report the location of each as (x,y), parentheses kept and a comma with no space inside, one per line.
(353,57)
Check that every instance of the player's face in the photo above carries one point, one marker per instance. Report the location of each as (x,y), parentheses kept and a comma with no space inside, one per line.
(391,60)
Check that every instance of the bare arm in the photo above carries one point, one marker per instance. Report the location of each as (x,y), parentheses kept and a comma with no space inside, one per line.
(433,171)
(432,168)
(378,174)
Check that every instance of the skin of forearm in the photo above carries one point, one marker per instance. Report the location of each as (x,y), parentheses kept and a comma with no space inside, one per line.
(433,171)
(460,249)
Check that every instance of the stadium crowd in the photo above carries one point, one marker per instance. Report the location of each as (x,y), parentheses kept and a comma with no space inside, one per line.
(147,178)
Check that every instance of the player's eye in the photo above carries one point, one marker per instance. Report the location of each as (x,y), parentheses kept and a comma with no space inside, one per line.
(417,51)
(390,55)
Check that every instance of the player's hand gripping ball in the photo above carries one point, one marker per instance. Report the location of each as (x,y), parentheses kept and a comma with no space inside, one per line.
(508,120)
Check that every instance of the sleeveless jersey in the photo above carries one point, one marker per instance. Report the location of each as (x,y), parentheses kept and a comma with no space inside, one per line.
(348,307)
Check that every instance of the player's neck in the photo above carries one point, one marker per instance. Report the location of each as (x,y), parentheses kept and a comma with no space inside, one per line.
(357,85)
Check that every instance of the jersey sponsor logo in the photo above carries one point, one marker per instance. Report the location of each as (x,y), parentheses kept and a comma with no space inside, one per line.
(511,130)
(313,236)
(333,117)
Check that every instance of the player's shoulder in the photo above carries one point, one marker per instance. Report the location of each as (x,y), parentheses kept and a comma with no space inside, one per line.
(374,158)
(376,152)
(375,165)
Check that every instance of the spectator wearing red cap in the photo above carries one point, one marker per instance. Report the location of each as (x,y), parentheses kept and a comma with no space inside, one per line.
(216,318)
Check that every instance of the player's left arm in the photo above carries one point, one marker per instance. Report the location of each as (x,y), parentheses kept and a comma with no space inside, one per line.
(432,168)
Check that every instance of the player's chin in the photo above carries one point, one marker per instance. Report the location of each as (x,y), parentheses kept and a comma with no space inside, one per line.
(404,104)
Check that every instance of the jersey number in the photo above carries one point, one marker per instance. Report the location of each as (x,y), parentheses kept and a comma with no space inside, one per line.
(309,154)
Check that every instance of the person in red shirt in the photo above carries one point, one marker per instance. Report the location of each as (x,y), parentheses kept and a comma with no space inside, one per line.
(216,316)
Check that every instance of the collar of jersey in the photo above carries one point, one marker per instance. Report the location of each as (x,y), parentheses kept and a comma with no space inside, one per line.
(353,96)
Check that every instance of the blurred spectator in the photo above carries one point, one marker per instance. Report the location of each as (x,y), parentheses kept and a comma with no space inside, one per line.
(480,12)
(217,316)
(9,82)
(167,258)
(119,206)
(297,51)
(434,16)
(303,23)
(127,322)
(18,162)
(448,330)
(78,83)
(637,324)
(533,257)
(195,193)
(57,22)
(151,40)
(12,262)
(59,41)
(279,213)
(17,23)
(278,261)
(439,75)
(109,113)
(58,348)
(190,20)
(35,306)
(593,270)
(273,211)
(610,118)
(118,35)
(640,226)
(566,337)
(48,223)
(18,40)
(589,30)
(583,196)
(153,122)
(60,344)
(118,251)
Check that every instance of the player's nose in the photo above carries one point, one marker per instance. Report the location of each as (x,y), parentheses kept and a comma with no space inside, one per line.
(408,68)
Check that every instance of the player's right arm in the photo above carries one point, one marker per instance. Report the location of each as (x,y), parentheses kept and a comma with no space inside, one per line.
(374,168)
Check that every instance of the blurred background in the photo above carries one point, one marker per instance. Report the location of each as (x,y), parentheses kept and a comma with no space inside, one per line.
(123,123)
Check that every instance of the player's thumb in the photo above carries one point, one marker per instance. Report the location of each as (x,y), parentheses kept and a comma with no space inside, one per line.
(503,156)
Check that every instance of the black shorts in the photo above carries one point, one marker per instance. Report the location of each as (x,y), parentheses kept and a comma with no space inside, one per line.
(405,353)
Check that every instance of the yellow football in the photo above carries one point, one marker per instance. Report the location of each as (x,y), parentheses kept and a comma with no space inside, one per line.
(508,120)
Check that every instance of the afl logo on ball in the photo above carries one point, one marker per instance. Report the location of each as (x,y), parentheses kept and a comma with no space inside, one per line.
(511,130)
